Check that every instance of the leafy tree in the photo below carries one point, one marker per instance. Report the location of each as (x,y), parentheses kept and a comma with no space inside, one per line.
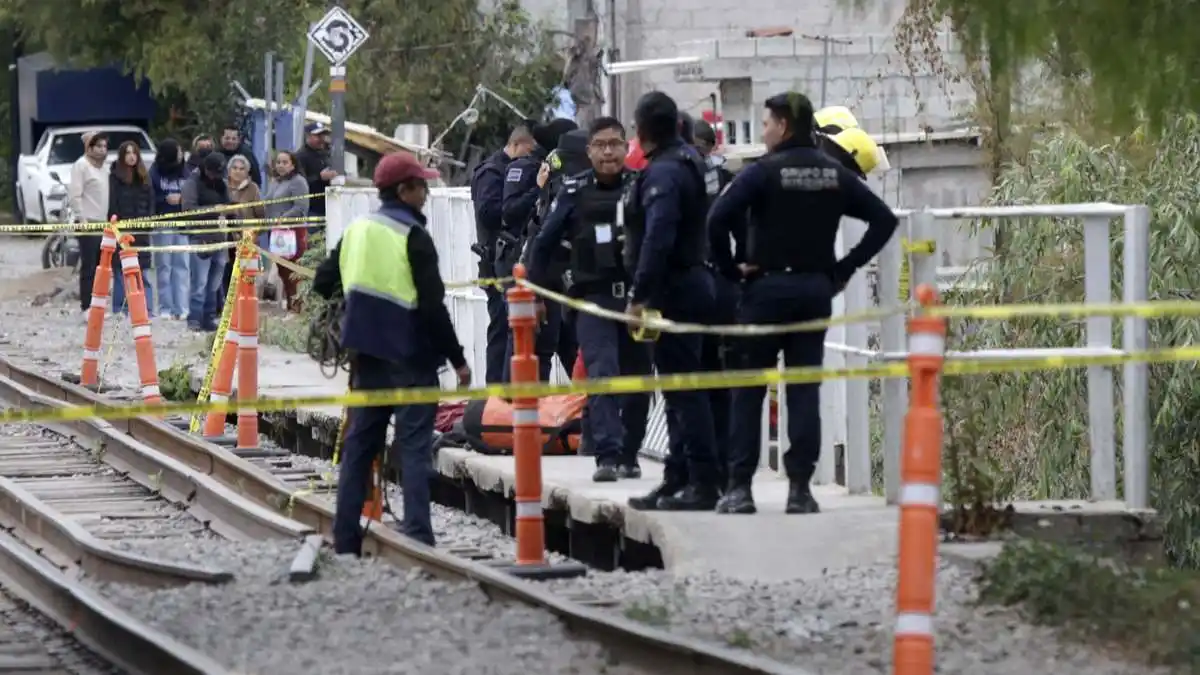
(422,63)
(1135,57)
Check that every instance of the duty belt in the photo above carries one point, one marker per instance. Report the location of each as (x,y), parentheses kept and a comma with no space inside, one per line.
(617,288)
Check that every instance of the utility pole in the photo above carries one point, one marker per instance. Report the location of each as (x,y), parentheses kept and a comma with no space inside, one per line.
(825,41)
(337,112)
(583,68)
(338,36)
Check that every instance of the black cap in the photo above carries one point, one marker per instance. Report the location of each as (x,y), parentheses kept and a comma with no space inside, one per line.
(547,135)
(213,162)
(703,131)
(656,116)
(687,128)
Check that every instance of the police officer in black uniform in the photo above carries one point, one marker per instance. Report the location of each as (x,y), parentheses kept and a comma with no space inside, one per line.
(487,196)
(665,248)
(726,242)
(526,181)
(587,213)
(796,195)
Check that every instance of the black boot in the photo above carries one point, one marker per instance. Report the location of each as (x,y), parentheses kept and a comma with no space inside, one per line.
(739,499)
(800,499)
(694,497)
(649,502)
(629,471)
(605,473)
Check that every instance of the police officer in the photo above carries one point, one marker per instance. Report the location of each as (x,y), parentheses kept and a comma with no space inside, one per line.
(665,246)
(726,241)
(525,181)
(796,196)
(487,195)
(587,212)
(398,332)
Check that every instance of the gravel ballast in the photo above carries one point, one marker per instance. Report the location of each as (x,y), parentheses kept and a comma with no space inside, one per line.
(359,617)
(839,624)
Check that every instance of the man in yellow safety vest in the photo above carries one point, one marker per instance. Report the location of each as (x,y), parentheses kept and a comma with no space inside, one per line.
(398,333)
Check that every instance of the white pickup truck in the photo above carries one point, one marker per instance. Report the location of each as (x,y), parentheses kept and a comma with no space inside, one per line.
(42,177)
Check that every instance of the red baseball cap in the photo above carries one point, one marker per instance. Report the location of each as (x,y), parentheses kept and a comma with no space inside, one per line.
(399,167)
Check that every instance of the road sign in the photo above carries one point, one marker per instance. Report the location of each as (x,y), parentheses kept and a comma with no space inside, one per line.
(337,35)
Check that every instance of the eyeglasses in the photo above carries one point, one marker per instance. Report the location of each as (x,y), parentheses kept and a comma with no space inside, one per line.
(615,145)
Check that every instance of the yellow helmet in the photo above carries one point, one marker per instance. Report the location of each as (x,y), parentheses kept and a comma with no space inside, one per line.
(835,116)
(859,145)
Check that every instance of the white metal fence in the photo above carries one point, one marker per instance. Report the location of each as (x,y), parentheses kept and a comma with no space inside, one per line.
(845,404)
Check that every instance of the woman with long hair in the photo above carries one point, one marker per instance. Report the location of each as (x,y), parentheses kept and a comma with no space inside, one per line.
(288,240)
(130,195)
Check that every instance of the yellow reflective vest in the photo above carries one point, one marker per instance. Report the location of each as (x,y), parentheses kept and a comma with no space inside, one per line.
(381,299)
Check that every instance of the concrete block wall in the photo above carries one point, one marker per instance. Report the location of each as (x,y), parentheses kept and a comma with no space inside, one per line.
(868,74)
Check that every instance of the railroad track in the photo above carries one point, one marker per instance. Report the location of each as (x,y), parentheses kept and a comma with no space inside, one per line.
(269,479)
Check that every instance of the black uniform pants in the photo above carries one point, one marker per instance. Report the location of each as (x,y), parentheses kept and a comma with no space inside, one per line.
(617,424)
(545,345)
(497,335)
(366,438)
(689,297)
(89,258)
(715,356)
(773,299)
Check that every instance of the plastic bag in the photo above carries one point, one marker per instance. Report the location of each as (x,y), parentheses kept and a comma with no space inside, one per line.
(283,243)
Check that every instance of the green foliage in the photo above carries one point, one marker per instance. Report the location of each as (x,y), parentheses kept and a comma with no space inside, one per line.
(175,383)
(290,332)
(1150,614)
(421,64)
(1135,57)
(1035,425)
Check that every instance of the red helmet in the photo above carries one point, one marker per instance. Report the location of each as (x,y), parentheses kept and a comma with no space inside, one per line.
(635,159)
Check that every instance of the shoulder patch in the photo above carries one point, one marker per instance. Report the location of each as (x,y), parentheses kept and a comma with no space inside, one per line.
(514,175)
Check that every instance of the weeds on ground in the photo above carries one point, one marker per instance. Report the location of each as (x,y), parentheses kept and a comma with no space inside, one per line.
(290,331)
(175,382)
(1152,615)
(652,615)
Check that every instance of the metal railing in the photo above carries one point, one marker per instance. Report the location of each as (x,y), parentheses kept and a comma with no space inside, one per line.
(847,346)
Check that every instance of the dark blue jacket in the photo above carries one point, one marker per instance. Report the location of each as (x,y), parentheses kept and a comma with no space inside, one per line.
(487,195)
(167,181)
(669,190)
(521,191)
(754,189)
(437,339)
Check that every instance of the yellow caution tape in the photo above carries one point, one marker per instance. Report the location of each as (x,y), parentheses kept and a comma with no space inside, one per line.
(389,398)
(920,247)
(498,283)
(184,248)
(218,345)
(612,386)
(173,226)
(652,322)
(156,222)
(287,264)
(1154,309)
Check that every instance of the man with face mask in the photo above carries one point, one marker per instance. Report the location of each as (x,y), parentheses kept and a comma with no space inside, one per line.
(796,195)
(398,333)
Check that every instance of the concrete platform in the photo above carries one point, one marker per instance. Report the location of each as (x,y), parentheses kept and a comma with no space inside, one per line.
(767,546)
(592,523)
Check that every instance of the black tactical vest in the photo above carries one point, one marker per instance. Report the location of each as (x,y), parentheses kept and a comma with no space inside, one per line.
(691,242)
(597,232)
(789,232)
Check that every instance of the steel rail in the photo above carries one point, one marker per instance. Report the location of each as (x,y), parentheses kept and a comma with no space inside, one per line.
(629,642)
